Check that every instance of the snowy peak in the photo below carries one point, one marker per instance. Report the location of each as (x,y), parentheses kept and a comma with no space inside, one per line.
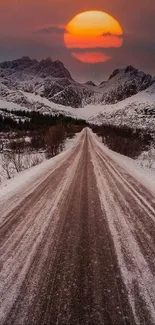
(114,73)
(124,83)
(129,68)
(51,80)
(47,78)
(49,68)
(18,65)
(43,68)
(90,83)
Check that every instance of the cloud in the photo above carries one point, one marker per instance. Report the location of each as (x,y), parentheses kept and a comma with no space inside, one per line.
(50,30)
(110,34)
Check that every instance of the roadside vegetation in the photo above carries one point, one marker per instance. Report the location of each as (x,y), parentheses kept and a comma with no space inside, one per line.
(27,138)
(26,143)
(33,121)
(124,140)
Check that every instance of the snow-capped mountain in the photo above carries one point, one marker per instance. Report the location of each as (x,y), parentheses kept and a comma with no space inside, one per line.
(127,97)
(51,80)
(124,83)
(137,111)
(26,66)
(46,78)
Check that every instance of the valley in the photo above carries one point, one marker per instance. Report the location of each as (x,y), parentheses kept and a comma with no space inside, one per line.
(77,196)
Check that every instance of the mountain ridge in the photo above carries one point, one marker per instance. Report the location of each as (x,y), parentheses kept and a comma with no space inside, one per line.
(50,79)
(46,86)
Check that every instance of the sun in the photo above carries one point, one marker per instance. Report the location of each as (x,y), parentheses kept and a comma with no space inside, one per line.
(89,33)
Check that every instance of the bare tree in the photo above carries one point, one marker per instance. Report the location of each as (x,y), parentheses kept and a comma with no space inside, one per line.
(54,140)
(5,163)
(17,150)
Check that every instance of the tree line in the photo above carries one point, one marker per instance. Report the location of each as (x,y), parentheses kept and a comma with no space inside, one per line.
(123,139)
(32,121)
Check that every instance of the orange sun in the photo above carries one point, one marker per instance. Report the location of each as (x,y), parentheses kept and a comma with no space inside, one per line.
(89,32)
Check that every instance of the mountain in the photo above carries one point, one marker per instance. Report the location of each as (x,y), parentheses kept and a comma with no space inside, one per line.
(47,78)
(51,80)
(46,86)
(124,83)
(136,112)
(44,68)
(90,83)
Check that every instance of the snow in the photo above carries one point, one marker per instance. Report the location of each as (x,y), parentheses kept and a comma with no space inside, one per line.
(134,167)
(137,111)
(52,106)
(31,235)
(25,86)
(30,176)
(147,159)
(125,223)
(24,160)
(11,106)
(144,175)
(35,101)
(44,214)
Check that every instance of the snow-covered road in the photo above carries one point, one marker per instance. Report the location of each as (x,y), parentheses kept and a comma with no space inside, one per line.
(77,246)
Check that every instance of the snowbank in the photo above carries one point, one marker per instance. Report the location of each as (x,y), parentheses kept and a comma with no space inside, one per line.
(11,186)
(144,175)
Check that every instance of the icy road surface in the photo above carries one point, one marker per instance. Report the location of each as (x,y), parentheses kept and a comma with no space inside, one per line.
(78,247)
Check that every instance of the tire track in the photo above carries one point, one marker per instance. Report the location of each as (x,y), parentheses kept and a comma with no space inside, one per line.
(131,219)
(59,260)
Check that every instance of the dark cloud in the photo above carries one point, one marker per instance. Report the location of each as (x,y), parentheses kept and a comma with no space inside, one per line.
(110,34)
(50,30)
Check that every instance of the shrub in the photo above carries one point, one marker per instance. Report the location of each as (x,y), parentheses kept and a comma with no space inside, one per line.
(54,140)
(123,139)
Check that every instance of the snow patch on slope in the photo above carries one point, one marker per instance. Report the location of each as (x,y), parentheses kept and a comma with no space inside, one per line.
(137,111)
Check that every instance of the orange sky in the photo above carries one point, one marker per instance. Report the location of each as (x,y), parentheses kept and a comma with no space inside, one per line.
(83,42)
(93,30)
(19,20)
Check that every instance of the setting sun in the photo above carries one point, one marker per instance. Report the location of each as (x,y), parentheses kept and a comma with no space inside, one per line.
(93,30)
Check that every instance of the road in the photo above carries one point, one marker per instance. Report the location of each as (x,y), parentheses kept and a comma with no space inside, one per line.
(79,247)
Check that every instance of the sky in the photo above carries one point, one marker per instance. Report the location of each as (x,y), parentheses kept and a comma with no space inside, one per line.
(35,28)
